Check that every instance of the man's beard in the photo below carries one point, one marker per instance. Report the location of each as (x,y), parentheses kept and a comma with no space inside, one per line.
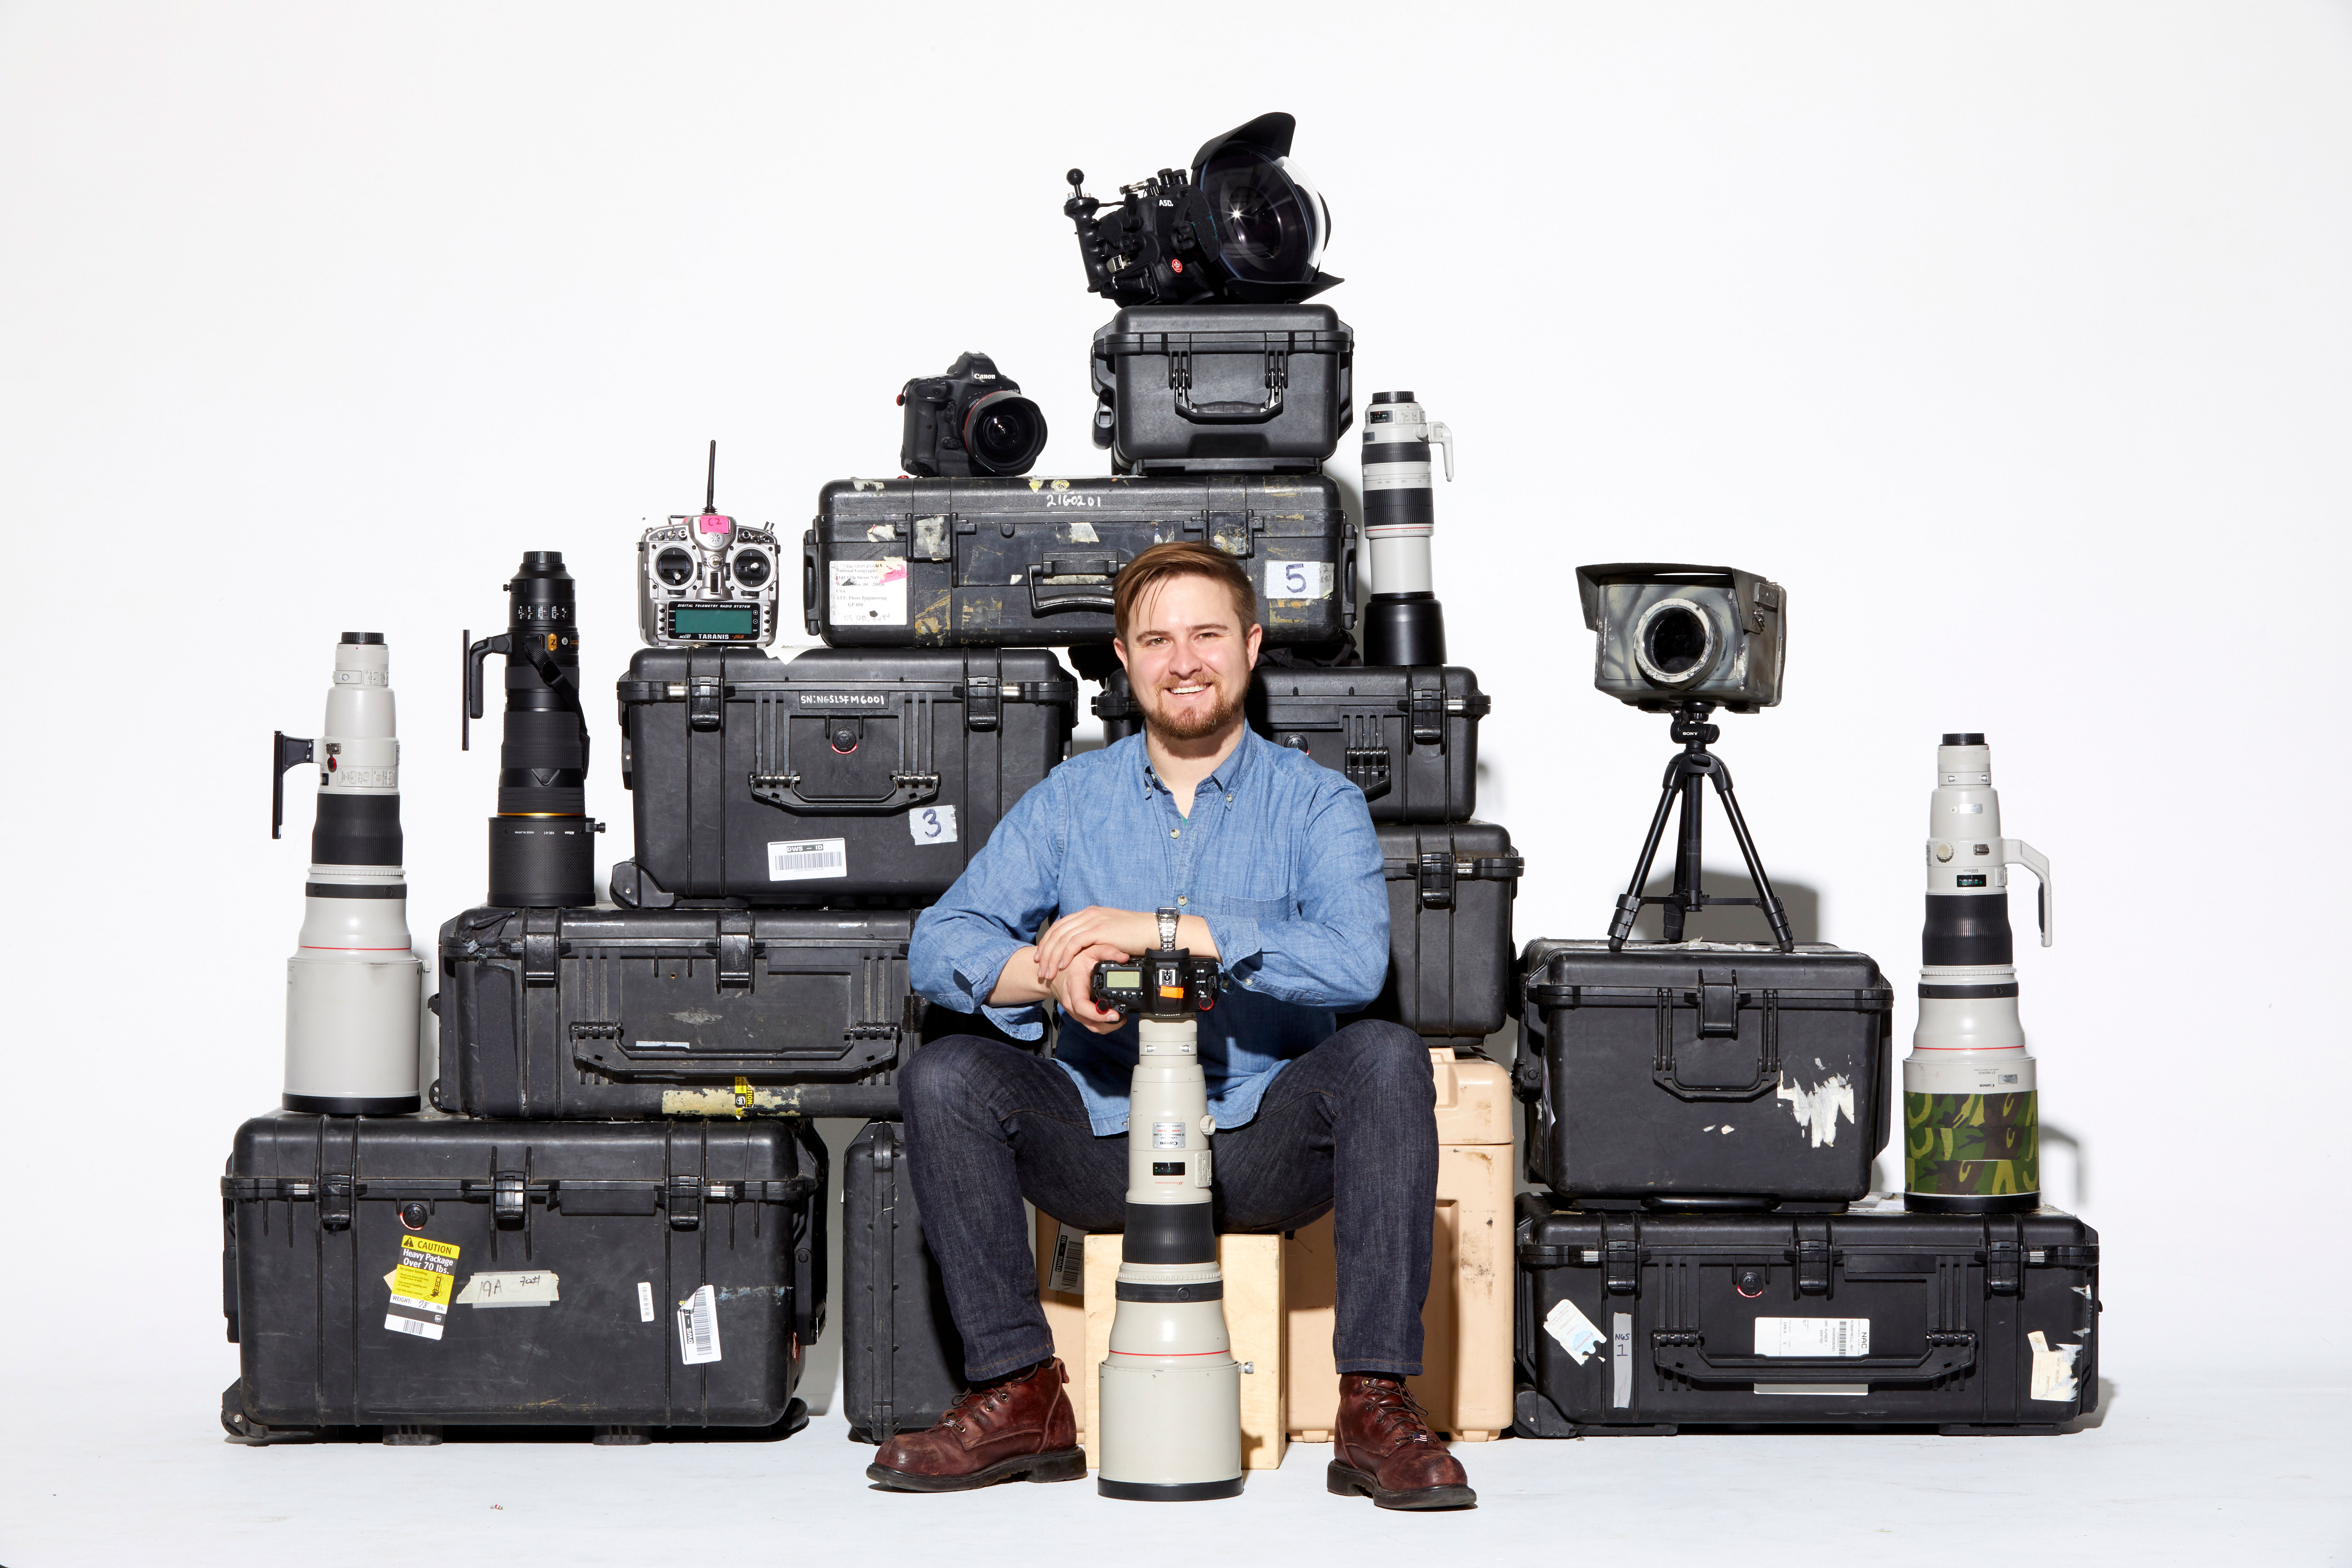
(1200,727)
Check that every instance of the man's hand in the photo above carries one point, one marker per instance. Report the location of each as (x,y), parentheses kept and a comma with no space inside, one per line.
(1074,988)
(1129,933)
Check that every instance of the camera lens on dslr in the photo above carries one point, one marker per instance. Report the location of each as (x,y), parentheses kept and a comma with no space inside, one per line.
(1674,642)
(1004,433)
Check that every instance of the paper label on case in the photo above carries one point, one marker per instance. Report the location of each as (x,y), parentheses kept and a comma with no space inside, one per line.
(797,860)
(868,593)
(1567,1323)
(697,1327)
(1068,1273)
(932,825)
(528,1288)
(420,1287)
(1298,579)
(645,1301)
(1812,1337)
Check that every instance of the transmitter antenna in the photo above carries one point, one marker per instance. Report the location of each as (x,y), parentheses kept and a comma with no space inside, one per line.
(711,482)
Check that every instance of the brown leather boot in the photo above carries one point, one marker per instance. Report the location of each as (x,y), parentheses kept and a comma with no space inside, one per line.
(1384,1450)
(1017,1426)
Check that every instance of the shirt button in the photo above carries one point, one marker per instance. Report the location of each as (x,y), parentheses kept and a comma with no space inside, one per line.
(1180,898)
(1175,832)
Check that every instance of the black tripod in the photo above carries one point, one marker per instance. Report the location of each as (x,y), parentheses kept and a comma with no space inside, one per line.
(1682,776)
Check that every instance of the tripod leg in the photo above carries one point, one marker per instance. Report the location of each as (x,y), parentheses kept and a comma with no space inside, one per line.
(1621,924)
(1773,913)
(1689,895)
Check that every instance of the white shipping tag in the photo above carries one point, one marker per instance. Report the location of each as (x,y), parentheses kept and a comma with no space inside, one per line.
(1298,579)
(2054,1371)
(1814,1337)
(1573,1330)
(1068,1273)
(869,593)
(797,860)
(645,1301)
(697,1327)
(930,825)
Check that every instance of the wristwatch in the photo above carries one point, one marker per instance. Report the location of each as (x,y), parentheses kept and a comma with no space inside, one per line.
(1167,929)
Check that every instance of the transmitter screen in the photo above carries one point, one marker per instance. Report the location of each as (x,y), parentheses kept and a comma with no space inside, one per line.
(714,621)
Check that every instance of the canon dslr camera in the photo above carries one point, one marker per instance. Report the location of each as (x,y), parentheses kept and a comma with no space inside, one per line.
(706,578)
(973,420)
(1672,634)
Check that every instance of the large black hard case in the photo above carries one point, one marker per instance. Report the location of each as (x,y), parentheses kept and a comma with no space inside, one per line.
(610,1012)
(1451,889)
(315,1209)
(901,1358)
(837,774)
(1032,563)
(1953,1304)
(1707,1071)
(1407,737)
(1263,385)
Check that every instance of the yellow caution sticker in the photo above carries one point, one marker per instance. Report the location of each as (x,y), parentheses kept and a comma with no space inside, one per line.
(743,1096)
(421,1286)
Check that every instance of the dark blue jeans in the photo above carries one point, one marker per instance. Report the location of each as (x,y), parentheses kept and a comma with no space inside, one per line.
(1349,1129)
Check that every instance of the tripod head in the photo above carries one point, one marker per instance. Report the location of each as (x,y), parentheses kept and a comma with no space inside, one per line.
(1691,728)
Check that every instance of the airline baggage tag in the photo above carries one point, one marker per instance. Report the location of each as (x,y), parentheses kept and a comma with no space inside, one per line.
(421,1284)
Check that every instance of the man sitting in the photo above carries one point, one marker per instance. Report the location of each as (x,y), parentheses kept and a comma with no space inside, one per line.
(1272,867)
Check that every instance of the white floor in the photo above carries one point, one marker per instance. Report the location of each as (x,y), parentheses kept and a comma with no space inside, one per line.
(2190,1473)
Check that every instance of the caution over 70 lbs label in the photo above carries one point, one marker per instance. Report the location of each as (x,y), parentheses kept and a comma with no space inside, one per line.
(421,1286)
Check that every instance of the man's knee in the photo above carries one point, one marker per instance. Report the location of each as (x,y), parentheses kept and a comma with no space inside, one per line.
(1387,1059)
(940,1073)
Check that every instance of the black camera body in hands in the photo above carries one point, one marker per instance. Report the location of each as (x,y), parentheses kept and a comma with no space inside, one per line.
(1170,984)
(973,420)
(1241,228)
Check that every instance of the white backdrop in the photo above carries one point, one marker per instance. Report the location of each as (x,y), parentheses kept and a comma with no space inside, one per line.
(2012,339)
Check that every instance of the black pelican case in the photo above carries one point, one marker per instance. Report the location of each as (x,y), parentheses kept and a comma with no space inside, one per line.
(901,1358)
(1451,957)
(1189,387)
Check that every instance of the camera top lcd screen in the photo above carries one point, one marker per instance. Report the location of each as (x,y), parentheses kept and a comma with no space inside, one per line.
(715,621)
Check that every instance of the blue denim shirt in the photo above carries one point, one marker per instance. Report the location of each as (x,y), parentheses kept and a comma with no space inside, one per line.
(1279,859)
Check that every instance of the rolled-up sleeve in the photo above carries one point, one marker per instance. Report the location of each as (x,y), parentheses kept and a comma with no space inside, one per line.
(1333,951)
(995,909)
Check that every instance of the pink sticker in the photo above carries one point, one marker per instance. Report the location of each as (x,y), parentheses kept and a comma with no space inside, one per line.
(894,573)
(711,522)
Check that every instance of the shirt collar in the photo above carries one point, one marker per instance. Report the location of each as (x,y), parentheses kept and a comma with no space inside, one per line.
(1226,779)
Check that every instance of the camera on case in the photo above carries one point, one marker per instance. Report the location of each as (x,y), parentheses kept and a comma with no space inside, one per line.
(1671,635)
(706,578)
(973,420)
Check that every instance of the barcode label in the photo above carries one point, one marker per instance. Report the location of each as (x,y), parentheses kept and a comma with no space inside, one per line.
(645,1301)
(797,860)
(1812,1337)
(1068,1273)
(697,1327)
(417,1326)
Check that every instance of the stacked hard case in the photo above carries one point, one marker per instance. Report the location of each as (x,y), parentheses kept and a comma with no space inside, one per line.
(1701,1118)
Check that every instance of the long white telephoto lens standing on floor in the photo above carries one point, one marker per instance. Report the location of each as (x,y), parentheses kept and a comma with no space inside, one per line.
(1971,1118)
(351,985)
(1170,1398)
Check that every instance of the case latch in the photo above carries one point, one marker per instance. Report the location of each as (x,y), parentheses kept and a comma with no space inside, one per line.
(1438,881)
(1719,1006)
(706,700)
(735,949)
(509,1199)
(984,702)
(1365,761)
(542,945)
(2004,1267)
(1623,1262)
(1813,1259)
(335,1191)
(1427,706)
(682,1196)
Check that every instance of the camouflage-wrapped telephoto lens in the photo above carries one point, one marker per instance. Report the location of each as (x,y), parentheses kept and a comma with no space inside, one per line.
(1970,1104)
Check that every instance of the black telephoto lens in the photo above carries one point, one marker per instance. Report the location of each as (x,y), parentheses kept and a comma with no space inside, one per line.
(1004,433)
(542,844)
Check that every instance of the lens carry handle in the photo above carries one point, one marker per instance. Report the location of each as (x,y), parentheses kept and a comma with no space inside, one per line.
(1694,765)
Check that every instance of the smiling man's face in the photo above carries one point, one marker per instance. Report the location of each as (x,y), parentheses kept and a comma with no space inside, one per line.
(1188,657)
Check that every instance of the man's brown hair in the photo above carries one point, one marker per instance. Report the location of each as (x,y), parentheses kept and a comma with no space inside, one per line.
(1181,558)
